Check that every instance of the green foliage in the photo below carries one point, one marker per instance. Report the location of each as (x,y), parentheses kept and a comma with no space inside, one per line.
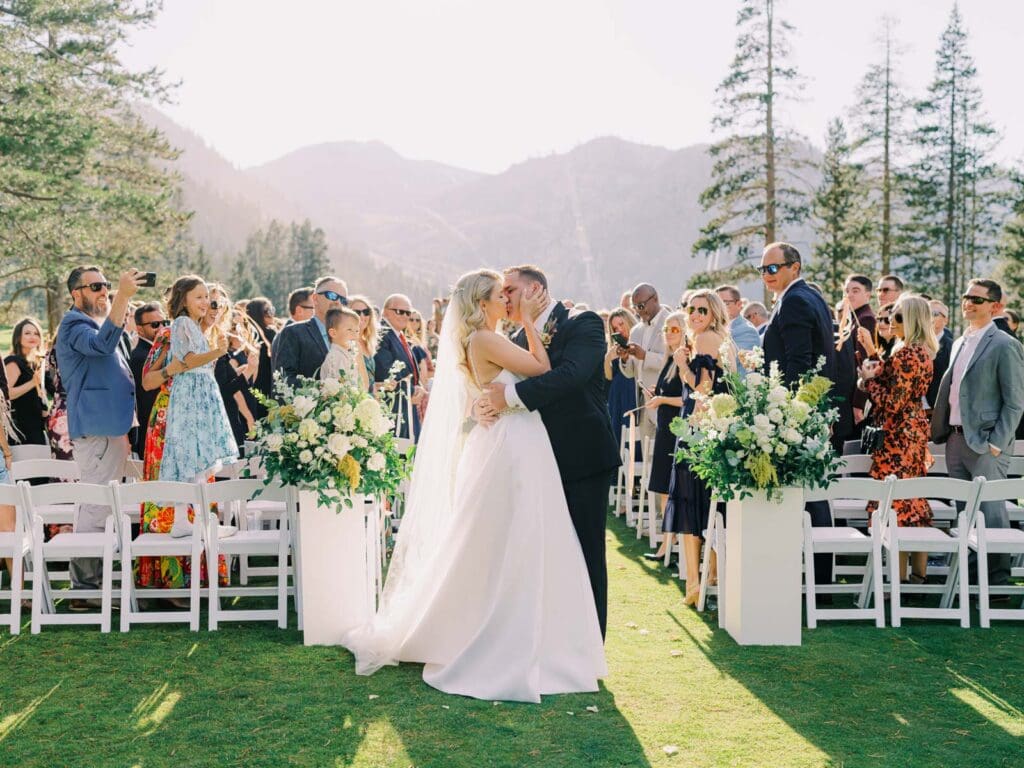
(278,259)
(755,190)
(841,219)
(82,179)
(330,437)
(1011,245)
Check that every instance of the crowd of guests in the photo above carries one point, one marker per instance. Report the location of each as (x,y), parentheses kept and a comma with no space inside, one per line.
(179,384)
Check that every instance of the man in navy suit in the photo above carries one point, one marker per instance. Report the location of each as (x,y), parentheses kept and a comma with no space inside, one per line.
(300,348)
(798,333)
(394,352)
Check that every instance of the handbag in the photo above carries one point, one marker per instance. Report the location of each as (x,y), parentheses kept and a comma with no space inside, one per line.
(872,439)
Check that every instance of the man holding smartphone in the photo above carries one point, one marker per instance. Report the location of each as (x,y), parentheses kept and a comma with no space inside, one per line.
(644,356)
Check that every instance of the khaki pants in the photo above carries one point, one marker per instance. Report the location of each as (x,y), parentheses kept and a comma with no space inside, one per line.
(100,460)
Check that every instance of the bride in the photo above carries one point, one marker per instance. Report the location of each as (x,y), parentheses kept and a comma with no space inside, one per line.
(487,588)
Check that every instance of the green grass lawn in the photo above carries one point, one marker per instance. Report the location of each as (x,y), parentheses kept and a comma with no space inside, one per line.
(251,695)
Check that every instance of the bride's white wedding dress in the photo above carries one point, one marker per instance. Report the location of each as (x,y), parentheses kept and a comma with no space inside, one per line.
(502,609)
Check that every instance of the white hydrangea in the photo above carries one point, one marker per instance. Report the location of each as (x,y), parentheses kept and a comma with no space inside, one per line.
(309,430)
(359,441)
(376,462)
(306,456)
(346,420)
(275,442)
(367,411)
(338,444)
(777,395)
(330,387)
(303,406)
(381,425)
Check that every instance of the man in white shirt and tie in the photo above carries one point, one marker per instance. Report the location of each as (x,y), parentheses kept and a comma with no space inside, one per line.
(645,356)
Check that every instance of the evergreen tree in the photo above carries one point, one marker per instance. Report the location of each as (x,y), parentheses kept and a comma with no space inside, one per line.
(951,187)
(880,140)
(841,223)
(755,191)
(1011,244)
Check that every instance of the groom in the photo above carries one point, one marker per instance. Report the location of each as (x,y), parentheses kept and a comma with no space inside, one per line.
(570,399)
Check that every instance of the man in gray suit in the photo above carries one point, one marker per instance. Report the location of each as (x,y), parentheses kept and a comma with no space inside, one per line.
(979,403)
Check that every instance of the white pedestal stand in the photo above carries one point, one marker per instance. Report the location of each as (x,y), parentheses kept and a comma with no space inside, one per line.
(764,543)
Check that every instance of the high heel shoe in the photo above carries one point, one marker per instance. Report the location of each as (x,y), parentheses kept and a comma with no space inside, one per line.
(691,597)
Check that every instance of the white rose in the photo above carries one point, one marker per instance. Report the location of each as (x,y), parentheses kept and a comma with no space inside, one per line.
(274,442)
(754,379)
(338,445)
(781,450)
(325,417)
(382,425)
(291,438)
(303,406)
(330,387)
(309,430)
(777,394)
(318,451)
(775,415)
(306,456)
(376,462)
(793,436)
(762,422)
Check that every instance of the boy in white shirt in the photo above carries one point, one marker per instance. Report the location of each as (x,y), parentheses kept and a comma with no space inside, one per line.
(344,360)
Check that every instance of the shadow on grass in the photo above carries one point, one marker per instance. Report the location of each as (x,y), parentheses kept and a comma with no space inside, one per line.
(927,694)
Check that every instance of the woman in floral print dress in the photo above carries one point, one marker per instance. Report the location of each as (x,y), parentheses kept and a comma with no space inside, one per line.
(896,388)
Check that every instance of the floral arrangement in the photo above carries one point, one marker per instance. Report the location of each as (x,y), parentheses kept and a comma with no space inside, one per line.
(331,437)
(762,435)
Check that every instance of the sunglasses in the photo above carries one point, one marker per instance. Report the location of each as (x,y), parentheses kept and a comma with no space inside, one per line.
(639,305)
(702,311)
(977,300)
(158,324)
(215,305)
(883,321)
(773,269)
(333,296)
(94,287)
(402,312)
(672,329)
(886,290)
(306,306)
(898,318)
(938,314)
(364,312)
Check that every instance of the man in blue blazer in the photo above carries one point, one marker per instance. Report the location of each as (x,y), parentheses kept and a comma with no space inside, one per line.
(299,349)
(798,333)
(92,359)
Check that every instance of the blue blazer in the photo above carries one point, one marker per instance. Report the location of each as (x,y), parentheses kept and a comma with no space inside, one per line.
(99,384)
(798,333)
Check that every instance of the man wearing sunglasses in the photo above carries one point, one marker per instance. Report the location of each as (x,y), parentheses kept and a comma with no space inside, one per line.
(645,355)
(300,348)
(799,332)
(100,391)
(149,319)
(394,348)
(980,402)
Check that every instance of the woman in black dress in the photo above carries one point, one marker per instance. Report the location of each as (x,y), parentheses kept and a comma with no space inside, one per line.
(24,369)
(261,310)
(689,504)
(667,398)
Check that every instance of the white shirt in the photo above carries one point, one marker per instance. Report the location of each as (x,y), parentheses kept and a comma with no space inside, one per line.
(968,347)
(778,298)
(511,396)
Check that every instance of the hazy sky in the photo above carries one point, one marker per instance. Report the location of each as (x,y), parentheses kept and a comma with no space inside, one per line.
(483,84)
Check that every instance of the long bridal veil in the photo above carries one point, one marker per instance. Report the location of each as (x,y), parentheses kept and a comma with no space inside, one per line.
(428,512)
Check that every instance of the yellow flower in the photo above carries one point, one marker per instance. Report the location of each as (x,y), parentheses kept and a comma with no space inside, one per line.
(349,467)
(811,392)
(286,414)
(761,469)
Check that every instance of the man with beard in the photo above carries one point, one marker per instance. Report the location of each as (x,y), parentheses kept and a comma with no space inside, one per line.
(92,358)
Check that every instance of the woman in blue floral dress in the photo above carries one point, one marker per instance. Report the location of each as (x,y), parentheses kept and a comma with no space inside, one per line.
(198,436)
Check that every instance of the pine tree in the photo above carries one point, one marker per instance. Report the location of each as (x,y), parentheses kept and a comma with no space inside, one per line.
(840,216)
(755,190)
(313,250)
(880,141)
(1011,244)
(951,188)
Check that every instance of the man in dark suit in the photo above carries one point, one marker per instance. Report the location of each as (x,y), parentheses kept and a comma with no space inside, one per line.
(980,402)
(300,348)
(799,332)
(940,320)
(857,294)
(300,305)
(149,319)
(572,404)
(395,360)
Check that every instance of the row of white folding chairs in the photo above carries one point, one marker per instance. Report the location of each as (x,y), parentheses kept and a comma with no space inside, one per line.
(36,505)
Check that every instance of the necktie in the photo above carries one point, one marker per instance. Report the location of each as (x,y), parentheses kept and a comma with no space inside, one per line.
(412,360)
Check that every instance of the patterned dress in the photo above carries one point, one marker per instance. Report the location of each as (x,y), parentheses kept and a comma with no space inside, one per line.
(198,436)
(896,396)
(163,572)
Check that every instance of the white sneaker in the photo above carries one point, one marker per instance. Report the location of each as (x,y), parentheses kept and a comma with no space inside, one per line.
(181,530)
(226,531)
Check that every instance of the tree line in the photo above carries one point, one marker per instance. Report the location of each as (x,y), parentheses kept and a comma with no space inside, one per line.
(906,183)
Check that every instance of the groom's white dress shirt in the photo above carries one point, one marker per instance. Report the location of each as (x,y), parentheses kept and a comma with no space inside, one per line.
(511,396)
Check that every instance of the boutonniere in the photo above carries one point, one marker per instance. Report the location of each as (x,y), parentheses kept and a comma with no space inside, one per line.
(548,332)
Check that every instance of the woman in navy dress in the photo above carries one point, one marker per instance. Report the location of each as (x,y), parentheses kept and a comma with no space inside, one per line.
(621,390)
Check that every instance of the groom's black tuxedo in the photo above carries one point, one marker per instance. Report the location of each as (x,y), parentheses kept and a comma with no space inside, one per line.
(572,403)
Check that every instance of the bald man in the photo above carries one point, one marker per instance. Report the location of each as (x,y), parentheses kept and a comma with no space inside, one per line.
(645,356)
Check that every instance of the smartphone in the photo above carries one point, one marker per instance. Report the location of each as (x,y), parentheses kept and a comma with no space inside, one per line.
(148,280)
(621,340)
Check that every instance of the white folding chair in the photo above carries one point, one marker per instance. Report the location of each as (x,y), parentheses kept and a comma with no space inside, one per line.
(852,511)
(16,545)
(714,541)
(275,542)
(59,470)
(40,500)
(636,508)
(160,545)
(897,538)
(30,452)
(996,541)
(846,540)
(617,492)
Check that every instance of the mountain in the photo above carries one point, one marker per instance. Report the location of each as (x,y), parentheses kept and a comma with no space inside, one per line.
(598,218)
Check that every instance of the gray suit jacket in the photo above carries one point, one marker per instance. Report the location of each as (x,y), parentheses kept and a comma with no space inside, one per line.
(991,393)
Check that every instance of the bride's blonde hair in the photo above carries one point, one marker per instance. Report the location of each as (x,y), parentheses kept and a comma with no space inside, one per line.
(468,316)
